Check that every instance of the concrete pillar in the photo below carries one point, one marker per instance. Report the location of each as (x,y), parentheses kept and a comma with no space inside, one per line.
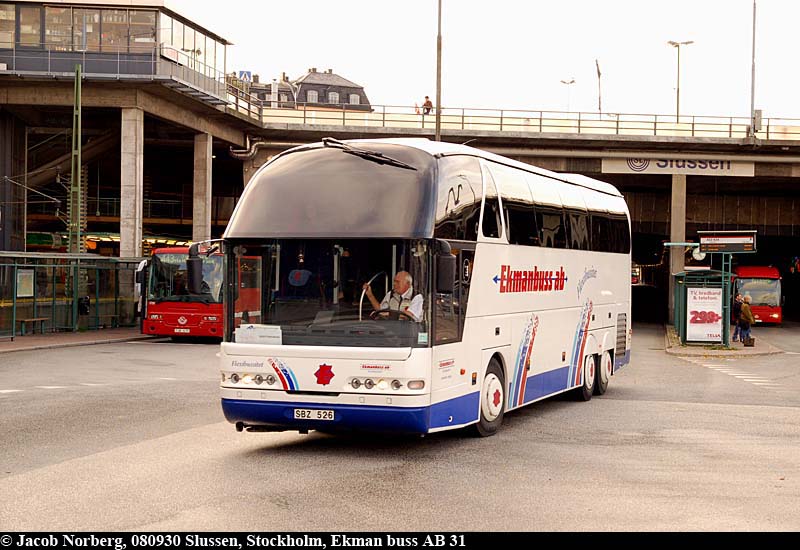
(677,234)
(201,195)
(131,183)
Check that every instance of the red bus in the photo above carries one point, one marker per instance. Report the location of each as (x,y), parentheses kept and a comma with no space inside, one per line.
(170,308)
(763,285)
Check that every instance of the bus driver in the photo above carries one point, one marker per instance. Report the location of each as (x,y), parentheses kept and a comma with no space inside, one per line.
(401,299)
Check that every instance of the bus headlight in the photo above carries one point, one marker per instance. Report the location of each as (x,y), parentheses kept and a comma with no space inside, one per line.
(396,384)
(774,315)
(271,379)
(369,383)
(416,384)
(258,379)
(235,378)
(356,383)
(383,384)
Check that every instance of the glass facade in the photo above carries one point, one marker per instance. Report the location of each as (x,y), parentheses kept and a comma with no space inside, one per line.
(108,30)
(7,21)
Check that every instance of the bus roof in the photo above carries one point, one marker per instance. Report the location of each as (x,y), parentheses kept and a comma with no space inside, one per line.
(757,271)
(443,148)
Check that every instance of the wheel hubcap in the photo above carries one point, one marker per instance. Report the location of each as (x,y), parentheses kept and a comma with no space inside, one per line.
(492,397)
(588,375)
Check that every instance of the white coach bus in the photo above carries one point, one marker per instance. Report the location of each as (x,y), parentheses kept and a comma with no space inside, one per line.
(492,284)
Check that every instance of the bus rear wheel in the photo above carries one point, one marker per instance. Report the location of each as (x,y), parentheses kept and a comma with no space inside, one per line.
(584,393)
(492,400)
(603,374)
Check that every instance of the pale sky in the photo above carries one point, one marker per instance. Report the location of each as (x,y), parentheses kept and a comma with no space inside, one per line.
(512,54)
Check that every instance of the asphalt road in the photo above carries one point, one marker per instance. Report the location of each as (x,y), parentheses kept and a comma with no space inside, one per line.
(131,437)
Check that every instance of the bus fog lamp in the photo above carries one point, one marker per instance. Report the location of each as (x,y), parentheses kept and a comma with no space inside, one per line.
(247,379)
(383,384)
(416,384)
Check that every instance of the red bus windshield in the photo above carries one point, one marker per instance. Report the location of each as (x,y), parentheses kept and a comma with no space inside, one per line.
(168,280)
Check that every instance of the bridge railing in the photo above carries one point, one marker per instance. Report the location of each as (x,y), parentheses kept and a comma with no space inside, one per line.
(522,121)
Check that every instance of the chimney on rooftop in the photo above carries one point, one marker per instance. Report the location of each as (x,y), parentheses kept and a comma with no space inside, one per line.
(312,70)
(283,77)
(255,79)
(330,71)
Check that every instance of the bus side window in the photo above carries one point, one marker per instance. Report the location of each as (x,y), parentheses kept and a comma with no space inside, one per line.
(492,220)
(550,222)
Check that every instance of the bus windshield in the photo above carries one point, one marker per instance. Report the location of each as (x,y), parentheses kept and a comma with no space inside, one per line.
(168,282)
(316,296)
(762,292)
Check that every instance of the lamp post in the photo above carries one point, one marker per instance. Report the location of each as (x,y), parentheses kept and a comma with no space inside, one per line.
(438,134)
(678,45)
(568,83)
(753,128)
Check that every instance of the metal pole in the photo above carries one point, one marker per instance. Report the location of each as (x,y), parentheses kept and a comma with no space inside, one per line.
(753,79)
(438,135)
(678,89)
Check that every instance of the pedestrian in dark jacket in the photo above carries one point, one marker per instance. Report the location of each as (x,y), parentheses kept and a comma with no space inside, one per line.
(737,312)
(747,319)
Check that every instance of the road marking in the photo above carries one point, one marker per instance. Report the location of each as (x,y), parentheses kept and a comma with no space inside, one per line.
(10,391)
(168,379)
(90,384)
(765,384)
(51,387)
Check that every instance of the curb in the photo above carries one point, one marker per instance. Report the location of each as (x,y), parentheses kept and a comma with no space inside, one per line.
(673,346)
(76,344)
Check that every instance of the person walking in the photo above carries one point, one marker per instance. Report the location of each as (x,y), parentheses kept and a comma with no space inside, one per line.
(747,320)
(737,312)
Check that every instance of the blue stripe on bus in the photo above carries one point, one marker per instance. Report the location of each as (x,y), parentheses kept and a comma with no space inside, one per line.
(345,417)
(621,361)
(547,383)
(455,412)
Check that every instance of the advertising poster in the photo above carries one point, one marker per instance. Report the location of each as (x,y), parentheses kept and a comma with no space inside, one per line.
(24,283)
(704,314)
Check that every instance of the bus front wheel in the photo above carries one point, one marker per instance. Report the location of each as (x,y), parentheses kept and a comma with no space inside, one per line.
(492,400)
(584,393)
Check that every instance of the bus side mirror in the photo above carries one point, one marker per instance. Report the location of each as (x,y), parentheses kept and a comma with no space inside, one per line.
(141,276)
(445,268)
(194,270)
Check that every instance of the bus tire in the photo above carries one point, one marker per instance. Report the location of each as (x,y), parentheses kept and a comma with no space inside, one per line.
(603,374)
(492,400)
(584,393)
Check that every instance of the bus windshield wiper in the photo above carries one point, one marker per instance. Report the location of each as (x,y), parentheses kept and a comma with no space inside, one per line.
(374,156)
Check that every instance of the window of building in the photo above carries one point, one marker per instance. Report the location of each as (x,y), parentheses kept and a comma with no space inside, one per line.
(142,30)
(7,23)
(177,39)
(220,64)
(165,29)
(283,98)
(86,29)
(333,98)
(312,96)
(115,31)
(355,99)
(58,28)
(211,57)
(30,26)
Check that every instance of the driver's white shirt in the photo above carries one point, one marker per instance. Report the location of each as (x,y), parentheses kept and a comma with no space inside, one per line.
(406,303)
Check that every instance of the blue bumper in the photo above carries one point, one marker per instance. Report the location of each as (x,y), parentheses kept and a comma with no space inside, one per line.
(345,417)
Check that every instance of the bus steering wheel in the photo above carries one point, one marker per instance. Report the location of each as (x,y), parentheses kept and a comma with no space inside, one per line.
(391,314)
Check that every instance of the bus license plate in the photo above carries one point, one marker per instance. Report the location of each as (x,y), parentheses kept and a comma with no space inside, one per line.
(182,330)
(313,414)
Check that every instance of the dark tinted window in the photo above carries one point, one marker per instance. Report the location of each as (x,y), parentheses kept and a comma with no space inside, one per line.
(579,238)
(492,222)
(610,233)
(458,207)
(326,192)
(550,222)
(521,224)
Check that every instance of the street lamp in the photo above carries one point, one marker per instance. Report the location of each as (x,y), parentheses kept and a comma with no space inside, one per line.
(678,45)
(438,132)
(568,84)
